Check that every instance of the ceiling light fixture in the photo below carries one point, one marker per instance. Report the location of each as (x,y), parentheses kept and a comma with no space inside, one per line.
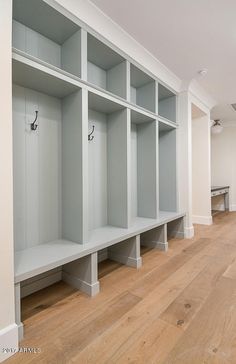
(216,128)
(203,72)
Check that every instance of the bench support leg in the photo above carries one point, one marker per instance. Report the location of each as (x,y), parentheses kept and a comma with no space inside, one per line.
(83,274)
(127,252)
(18,312)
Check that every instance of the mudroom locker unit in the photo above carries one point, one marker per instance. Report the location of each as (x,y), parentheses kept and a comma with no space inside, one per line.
(94,146)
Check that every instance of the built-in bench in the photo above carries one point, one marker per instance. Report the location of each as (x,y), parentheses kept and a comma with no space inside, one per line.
(77,264)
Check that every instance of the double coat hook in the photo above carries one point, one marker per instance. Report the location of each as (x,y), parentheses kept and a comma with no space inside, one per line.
(33,125)
(91,136)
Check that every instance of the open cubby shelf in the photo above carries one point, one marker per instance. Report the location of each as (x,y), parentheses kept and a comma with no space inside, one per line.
(166,103)
(30,74)
(106,68)
(55,40)
(142,89)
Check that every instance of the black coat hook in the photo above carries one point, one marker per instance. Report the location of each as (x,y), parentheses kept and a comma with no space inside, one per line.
(33,125)
(91,136)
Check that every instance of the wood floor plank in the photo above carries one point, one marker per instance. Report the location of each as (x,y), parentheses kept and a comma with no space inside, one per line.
(211,336)
(152,347)
(231,271)
(185,307)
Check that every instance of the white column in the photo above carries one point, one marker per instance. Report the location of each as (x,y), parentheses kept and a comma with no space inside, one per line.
(184,160)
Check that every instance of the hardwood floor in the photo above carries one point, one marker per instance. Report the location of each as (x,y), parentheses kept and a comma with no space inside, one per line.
(179,308)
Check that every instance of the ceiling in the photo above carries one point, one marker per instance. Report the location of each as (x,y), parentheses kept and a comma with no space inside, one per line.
(186,36)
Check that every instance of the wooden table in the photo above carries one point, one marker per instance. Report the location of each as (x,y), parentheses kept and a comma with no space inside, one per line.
(221,190)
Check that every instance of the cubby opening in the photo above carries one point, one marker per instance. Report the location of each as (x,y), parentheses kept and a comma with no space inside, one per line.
(175,229)
(47,168)
(106,68)
(167,168)
(144,158)
(108,170)
(166,103)
(142,89)
(155,238)
(44,33)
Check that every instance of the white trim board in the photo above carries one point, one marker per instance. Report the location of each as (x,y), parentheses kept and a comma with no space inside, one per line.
(202,220)
(221,207)
(8,341)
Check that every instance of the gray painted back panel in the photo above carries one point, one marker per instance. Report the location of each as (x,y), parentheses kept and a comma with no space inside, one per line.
(97,149)
(117,152)
(147,169)
(116,80)
(71,54)
(37,173)
(35,44)
(72,164)
(96,75)
(167,108)
(146,96)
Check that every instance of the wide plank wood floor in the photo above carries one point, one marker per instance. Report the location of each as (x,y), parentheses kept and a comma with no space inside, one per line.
(179,308)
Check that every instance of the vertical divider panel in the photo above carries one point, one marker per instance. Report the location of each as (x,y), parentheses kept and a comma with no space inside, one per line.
(167,170)
(127,80)
(74,162)
(85,176)
(84,51)
(156,97)
(147,150)
(116,79)
(118,135)
(71,54)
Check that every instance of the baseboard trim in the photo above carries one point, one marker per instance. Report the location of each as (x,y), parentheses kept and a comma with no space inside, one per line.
(102,255)
(189,232)
(42,282)
(232,208)
(156,245)
(90,289)
(162,246)
(8,342)
(202,220)
(176,234)
(20,331)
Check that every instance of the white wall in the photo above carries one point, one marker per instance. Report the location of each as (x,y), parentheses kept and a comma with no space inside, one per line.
(223,156)
(201,171)
(8,329)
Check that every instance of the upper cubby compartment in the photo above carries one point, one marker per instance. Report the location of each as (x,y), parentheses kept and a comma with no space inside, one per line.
(166,103)
(106,68)
(39,78)
(142,89)
(42,32)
